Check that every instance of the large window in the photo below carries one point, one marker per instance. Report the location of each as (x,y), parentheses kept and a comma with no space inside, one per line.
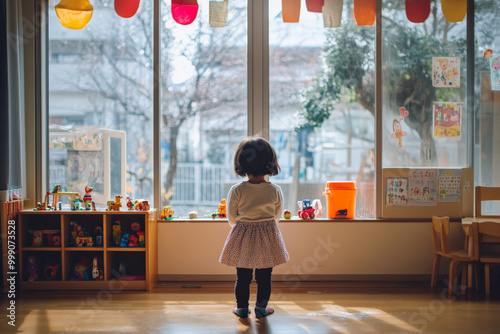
(322,108)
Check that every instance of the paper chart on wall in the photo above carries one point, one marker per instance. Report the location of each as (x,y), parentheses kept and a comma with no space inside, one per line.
(495,71)
(396,191)
(446,71)
(447,119)
(450,185)
(423,186)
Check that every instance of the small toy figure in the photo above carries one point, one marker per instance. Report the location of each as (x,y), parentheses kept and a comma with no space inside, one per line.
(81,270)
(166,213)
(142,240)
(113,206)
(118,201)
(37,238)
(125,240)
(221,211)
(50,270)
(56,240)
(308,211)
(135,227)
(96,272)
(32,268)
(117,233)
(287,214)
(87,198)
(130,204)
(133,240)
(98,236)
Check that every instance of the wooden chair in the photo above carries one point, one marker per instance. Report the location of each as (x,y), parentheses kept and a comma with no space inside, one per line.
(485,231)
(486,194)
(459,258)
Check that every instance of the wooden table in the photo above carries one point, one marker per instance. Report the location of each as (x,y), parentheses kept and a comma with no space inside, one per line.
(467,225)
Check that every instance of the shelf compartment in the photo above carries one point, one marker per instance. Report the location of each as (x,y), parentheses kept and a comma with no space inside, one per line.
(41,230)
(79,265)
(118,225)
(83,229)
(41,266)
(126,266)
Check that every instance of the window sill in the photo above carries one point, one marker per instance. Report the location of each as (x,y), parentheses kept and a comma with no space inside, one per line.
(317,220)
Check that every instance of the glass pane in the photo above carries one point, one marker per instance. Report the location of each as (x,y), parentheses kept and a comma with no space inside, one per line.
(321,105)
(100,104)
(203,106)
(424,89)
(487,99)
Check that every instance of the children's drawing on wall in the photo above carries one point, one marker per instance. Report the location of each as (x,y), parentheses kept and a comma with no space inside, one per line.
(446,71)
(423,185)
(447,119)
(397,127)
(495,71)
(396,191)
(450,185)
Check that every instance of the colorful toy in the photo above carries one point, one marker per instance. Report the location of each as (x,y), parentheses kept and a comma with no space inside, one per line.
(37,238)
(308,211)
(117,233)
(98,236)
(56,240)
(76,203)
(135,227)
(141,205)
(142,240)
(79,236)
(112,206)
(87,198)
(130,204)
(133,240)
(81,270)
(287,214)
(166,213)
(84,242)
(32,268)
(50,270)
(221,211)
(118,200)
(97,273)
(125,240)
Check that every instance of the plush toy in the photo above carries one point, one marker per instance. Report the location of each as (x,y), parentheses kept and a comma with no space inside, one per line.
(125,240)
(32,268)
(37,238)
(81,270)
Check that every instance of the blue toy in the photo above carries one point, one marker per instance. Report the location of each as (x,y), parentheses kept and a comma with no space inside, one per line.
(125,240)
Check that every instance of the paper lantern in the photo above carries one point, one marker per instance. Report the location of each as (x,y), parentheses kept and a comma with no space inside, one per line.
(365,12)
(74,14)
(290,10)
(126,8)
(217,13)
(184,11)
(332,13)
(417,11)
(315,6)
(454,10)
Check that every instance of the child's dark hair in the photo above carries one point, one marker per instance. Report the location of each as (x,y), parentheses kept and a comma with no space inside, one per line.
(255,156)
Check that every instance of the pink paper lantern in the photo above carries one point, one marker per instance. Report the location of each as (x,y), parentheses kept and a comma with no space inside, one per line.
(126,8)
(184,11)
(315,6)
(417,11)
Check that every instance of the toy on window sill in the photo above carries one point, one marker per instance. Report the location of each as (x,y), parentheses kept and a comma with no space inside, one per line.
(221,210)
(87,198)
(130,204)
(141,205)
(308,211)
(287,214)
(32,268)
(166,213)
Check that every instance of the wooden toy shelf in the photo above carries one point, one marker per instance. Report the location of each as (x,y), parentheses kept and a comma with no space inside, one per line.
(122,268)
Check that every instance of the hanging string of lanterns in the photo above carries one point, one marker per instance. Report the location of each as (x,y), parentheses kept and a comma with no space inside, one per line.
(76,14)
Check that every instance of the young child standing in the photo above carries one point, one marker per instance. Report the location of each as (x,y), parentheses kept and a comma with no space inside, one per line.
(253,210)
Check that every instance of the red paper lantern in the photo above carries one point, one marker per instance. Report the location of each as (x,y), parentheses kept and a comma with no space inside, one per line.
(365,12)
(126,8)
(290,10)
(184,11)
(417,11)
(315,6)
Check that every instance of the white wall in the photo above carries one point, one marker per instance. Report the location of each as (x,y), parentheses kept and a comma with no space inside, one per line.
(191,250)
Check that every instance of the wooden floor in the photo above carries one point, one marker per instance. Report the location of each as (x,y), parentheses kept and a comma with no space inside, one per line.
(340,307)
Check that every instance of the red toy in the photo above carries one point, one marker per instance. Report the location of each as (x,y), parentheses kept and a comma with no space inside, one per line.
(308,211)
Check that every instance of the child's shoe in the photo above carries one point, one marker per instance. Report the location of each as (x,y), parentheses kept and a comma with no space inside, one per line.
(241,312)
(263,312)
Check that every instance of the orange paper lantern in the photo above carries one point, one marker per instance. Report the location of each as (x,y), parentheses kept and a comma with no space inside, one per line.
(290,10)
(74,14)
(365,12)
(314,6)
(184,11)
(126,8)
(454,10)
(417,11)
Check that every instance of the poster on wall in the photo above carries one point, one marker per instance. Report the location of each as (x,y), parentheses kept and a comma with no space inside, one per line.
(396,191)
(422,188)
(495,71)
(450,185)
(447,119)
(446,71)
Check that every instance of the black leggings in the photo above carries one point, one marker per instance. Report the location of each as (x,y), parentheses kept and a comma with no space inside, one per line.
(242,287)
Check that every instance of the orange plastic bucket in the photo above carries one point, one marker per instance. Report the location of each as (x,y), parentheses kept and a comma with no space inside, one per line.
(340,199)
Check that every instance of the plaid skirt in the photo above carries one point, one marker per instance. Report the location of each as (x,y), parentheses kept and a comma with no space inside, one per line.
(254,245)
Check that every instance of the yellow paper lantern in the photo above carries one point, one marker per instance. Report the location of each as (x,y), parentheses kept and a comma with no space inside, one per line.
(454,10)
(74,14)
